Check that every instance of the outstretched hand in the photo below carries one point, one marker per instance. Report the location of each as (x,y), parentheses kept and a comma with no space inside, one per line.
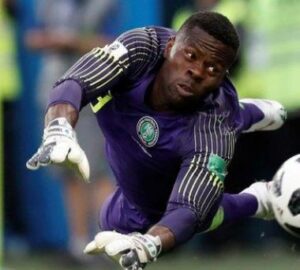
(132,252)
(60,146)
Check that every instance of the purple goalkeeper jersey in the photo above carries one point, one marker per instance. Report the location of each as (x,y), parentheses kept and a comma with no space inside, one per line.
(170,166)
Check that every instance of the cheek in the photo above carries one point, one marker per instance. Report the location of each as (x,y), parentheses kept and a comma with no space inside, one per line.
(214,82)
(172,71)
(208,86)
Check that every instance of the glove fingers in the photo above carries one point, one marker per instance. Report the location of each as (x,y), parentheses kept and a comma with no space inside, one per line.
(44,155)
(77,156)
(100,241)
(131,261)
(103,238)
(33,162)
(92,248)
(84,167)
(59,141)
(59,152)
(118,247)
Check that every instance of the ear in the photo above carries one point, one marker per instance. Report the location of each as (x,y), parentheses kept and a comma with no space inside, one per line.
(169,46)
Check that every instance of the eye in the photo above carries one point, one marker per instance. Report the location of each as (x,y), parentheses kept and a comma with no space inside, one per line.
(190,55)
(213,70)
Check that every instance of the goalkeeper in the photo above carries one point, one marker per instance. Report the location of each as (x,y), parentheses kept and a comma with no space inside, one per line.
(170,116)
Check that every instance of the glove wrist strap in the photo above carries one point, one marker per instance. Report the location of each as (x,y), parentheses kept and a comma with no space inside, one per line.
(157,242)
(151,243)
(59,127)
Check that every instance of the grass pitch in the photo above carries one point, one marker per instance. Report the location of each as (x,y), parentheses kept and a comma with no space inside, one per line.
(229,260)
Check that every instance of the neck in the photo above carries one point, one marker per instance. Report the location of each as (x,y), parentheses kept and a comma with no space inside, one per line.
(156,98)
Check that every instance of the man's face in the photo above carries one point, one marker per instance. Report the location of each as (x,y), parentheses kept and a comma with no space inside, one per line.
(194,67)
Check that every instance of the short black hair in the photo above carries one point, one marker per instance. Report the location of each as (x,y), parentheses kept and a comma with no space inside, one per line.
(216,25)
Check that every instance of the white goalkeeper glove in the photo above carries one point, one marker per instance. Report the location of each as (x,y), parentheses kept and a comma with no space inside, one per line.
(60,146)
(274,114)
(133,251)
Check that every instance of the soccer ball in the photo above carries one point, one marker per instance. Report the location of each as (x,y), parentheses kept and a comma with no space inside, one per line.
(285,195)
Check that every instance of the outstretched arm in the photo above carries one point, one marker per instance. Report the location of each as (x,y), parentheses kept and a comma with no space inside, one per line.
(192,205)
(261,114)
(59,143)
(166,236)
(64,110)
(93,75)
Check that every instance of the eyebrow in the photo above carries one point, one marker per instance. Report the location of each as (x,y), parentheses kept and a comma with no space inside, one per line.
(219,60)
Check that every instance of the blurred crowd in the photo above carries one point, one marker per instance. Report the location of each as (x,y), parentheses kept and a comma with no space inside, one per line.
(53,209)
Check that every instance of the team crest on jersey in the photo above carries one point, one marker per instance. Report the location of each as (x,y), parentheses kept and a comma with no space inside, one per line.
(147,130)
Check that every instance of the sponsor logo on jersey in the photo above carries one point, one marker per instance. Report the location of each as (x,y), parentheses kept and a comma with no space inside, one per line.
(116,49)
(217,166)
(148,131)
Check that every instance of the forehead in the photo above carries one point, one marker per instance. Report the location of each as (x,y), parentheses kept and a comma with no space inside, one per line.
(202,41)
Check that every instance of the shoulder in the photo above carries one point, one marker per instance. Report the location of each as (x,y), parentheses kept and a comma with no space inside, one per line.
(142,49)
(229,89)
(156,35)
(226,102)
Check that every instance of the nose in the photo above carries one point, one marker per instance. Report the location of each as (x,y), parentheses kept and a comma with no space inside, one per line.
(196,72)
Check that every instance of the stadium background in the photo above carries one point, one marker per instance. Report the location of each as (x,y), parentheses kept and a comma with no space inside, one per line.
(33,223)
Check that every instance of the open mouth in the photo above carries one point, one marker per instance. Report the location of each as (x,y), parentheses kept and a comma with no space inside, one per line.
(184,90)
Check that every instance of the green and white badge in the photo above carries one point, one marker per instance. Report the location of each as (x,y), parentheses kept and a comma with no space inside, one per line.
(147,130)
